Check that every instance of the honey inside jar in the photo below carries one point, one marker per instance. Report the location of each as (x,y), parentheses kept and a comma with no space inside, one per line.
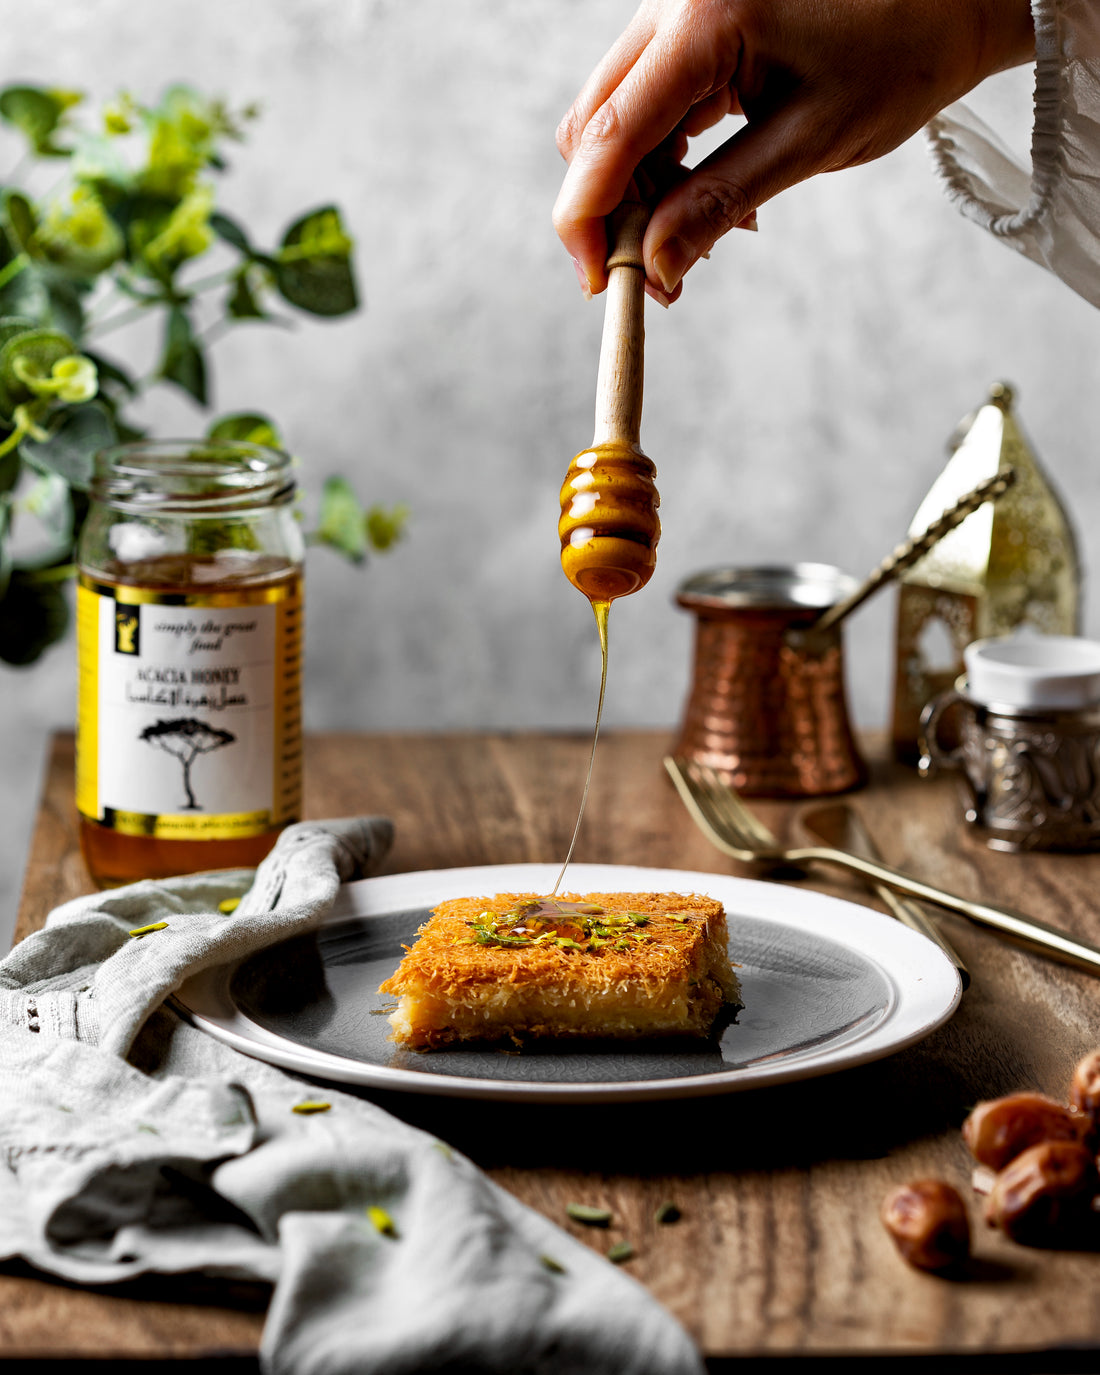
(189,606)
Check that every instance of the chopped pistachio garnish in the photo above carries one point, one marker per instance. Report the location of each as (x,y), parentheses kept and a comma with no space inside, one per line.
(544,921)
(311,1105)
(620,1252)
(554,1266)
(228,905)
(382,1221)
(447,1152)
(667,1212)
(140,931)
(589,1215)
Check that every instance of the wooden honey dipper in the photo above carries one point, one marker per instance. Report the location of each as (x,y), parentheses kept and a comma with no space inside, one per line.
(609,526)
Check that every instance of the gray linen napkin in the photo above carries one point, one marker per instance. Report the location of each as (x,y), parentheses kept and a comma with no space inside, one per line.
(135,1143)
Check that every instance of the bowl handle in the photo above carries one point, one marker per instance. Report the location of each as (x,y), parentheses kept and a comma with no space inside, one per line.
(933,755)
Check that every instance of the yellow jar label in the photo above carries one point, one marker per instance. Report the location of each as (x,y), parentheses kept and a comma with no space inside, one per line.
(189,712)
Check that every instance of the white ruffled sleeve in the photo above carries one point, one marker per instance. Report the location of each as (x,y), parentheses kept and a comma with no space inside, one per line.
(1052,213)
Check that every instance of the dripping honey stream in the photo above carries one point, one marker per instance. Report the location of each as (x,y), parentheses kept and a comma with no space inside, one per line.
(609,525)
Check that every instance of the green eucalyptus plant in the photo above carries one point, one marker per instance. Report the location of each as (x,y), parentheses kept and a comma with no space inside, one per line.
(114,240)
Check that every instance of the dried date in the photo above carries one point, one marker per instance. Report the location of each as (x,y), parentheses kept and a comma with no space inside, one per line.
(1084,1091)
(1000,1130)
(928,1224)
(1044,1194)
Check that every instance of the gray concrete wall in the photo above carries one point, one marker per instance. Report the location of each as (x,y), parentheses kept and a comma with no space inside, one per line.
(798,396)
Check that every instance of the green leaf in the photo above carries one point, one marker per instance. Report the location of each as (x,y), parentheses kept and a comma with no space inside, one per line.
(21,222)
(185,234)
(66,307)
(112,378)
(341,523)
(184,362)
(10,467)
(27,294)
(385,527)
(11,325)
(71,449)
(34,614)
(77,235)
(139,215)
(98,162)
(229,230)
(241,303)
(34,349)
(249,426)
(313,266)
(37,113)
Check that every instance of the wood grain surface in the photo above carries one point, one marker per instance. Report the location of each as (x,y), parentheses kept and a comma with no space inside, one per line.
(778,1259)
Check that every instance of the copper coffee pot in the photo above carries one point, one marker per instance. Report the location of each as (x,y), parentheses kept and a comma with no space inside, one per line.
(767,709)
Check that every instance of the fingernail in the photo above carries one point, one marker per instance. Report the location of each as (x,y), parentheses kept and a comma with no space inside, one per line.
(671,261)
(583,279)
(749,222)
(656,294)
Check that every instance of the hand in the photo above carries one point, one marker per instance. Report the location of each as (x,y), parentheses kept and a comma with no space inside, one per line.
(823,84)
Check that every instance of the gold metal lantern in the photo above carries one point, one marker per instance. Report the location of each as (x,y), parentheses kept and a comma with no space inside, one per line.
(1011,563)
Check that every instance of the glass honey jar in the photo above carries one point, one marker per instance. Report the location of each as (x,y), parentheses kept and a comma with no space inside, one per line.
(189,634)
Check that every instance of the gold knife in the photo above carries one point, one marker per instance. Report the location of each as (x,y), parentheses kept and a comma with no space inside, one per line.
(840,826)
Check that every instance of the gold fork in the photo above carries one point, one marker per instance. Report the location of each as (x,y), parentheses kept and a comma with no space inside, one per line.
(725,820)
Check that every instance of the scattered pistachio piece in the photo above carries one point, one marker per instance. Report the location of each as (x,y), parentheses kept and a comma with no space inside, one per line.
(311,1105)
(554,1266)
(620,1252)
(382,1221)
(444,1150)
(589,1215)
(144,930)
(667,1212)
(228,905)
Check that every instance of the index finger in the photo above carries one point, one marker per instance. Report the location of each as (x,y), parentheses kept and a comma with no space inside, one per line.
(650,101)
(610,71)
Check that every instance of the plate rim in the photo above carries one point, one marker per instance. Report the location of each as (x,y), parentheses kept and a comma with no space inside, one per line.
(926,986)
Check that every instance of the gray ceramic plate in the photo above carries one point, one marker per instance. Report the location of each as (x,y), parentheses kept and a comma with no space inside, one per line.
(826,984)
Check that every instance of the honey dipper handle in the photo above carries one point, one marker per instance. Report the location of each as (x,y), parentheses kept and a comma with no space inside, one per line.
(622,350)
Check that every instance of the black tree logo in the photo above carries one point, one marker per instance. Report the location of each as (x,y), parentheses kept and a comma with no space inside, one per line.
(186,738)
